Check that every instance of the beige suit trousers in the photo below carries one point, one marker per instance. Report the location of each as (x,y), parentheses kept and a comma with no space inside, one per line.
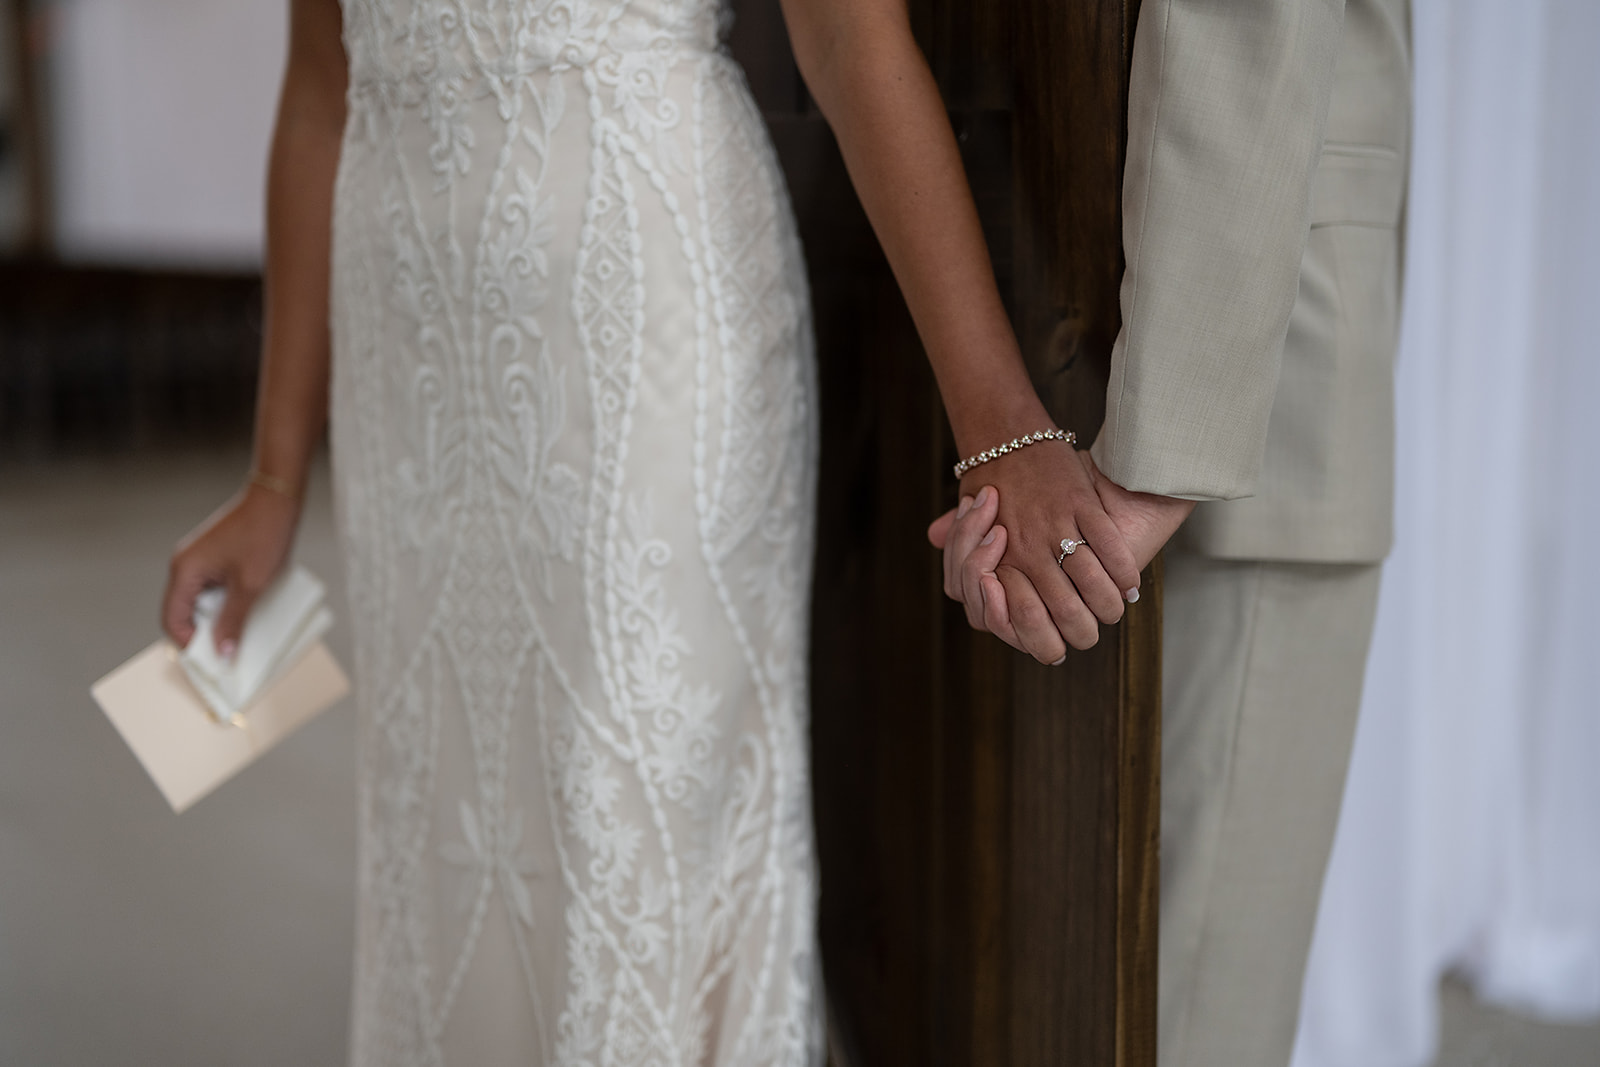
(1263,668)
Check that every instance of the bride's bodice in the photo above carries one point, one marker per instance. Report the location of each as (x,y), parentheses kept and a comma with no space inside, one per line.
(399,41)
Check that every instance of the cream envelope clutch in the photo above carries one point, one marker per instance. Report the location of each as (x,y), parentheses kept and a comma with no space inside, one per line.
(175,731)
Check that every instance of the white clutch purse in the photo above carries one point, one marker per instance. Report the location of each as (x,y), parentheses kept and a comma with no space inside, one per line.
(195,720)
(283,625)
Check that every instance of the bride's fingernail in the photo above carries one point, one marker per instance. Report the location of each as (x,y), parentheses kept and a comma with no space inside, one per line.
(966,505)
(988,538)
(982,498)
(227,649)
(1060,661)
(1132,595)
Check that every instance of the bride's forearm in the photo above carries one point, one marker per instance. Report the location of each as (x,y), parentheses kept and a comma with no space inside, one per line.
(873,85)
(292,404)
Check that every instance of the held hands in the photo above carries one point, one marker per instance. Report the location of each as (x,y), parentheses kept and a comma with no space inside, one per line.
(1036,497)
(1122,531)
(240,548)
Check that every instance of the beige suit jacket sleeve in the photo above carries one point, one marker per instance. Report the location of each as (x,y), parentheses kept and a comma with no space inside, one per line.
(1226,110)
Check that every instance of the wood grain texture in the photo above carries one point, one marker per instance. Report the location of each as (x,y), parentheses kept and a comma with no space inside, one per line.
(20,25)
(987,827)
(1139,830)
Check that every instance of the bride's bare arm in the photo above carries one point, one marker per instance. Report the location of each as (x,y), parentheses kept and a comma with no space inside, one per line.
(305,155)
(244,545)
(868,76)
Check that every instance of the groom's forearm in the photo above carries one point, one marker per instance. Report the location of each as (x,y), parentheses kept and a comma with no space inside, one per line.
(1227,104)
(873,85)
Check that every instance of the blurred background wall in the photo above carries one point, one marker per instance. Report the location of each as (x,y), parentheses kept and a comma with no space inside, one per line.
(132,140)
(16,137)
(160,111)
(129,326)
(1469,843)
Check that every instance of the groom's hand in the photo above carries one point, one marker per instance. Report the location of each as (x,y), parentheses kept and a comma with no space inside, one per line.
(973,543)
(1146,521)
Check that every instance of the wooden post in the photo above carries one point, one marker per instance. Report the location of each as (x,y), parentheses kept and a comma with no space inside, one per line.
(27,92)
(987,827)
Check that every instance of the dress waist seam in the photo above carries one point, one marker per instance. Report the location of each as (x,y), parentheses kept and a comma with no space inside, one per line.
(361,80)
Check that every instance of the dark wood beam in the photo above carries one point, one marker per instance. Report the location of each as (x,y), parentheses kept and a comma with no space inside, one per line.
(26,31)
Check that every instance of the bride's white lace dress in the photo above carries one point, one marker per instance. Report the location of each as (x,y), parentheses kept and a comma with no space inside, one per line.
(574,441)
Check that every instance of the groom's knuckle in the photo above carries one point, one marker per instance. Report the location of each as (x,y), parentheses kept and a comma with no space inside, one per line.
(1067,608)
(1032,616)
(1043,645)
(1027,614)
(1078,625)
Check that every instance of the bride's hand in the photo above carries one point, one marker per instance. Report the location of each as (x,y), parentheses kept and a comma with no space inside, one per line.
(241,548)
(972,545)
(1045,494)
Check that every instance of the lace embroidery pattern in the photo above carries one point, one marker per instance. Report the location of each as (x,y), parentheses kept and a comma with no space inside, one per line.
(574,432)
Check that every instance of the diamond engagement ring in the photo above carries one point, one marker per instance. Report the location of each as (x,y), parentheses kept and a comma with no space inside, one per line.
(1068,547)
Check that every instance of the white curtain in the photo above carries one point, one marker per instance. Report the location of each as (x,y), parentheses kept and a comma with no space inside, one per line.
(1470,836)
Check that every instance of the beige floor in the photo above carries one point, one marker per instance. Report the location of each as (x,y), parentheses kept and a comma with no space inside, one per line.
(132,936)
(1477,1036)
(129,935)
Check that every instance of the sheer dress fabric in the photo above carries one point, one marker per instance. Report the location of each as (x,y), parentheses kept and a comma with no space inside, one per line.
(574,431)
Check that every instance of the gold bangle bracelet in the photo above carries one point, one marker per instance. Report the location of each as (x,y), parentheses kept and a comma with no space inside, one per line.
(273,484)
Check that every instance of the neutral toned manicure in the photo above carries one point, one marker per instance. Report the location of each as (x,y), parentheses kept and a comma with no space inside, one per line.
(982,498)
(966,505)
(228,648)
(1060,661)
(988,538)
(1132,596)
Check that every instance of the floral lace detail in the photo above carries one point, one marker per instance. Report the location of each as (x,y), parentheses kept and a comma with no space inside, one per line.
(574,432)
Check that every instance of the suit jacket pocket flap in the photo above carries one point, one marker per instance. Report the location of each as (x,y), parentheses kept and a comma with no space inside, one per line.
(1357,184)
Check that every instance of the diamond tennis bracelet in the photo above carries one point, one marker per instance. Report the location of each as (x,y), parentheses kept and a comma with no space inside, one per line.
(1011,446)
